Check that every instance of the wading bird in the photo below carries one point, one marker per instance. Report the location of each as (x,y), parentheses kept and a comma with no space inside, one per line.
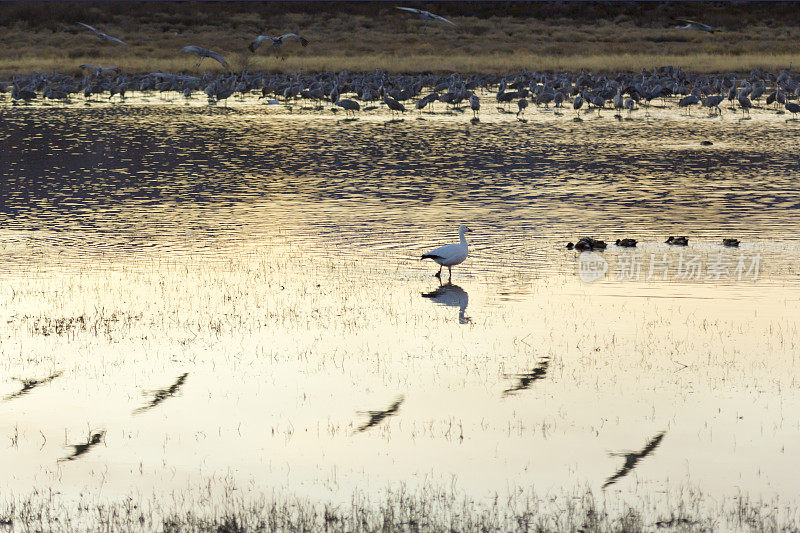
(425,15)
(475,105)
(450,255)
(276,41)
(692,25)
(202,52)
(103,37)
(348,105)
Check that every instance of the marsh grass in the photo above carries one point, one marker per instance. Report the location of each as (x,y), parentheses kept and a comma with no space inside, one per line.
(400,509)
(377,37)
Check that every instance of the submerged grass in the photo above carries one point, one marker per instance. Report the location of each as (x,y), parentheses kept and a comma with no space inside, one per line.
(432,509)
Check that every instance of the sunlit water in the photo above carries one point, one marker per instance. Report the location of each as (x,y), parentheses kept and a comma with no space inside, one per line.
(228,293)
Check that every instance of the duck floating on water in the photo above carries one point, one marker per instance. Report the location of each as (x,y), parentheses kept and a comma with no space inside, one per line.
(587,244)
(626,243)
(733,243)
(678,241)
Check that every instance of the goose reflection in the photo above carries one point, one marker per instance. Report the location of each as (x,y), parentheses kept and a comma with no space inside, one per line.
(82,448)
(633,458)
(526,379)
(376,417)
(159,395)
(451,296)
(30,384)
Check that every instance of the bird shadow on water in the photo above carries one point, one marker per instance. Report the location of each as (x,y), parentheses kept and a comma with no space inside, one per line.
(159,395)
(30,384)
(632,458)
(84,447)
(526,379)
(451,296)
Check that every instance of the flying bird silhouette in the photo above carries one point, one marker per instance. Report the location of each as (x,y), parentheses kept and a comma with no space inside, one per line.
(103,37)
(203,52)
(425,15)
(276,41)
(99,69)
(692,25)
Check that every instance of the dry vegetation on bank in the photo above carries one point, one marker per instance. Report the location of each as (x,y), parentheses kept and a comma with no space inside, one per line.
(498,37)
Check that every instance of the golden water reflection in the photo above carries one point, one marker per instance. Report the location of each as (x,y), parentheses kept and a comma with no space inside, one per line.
(202,295)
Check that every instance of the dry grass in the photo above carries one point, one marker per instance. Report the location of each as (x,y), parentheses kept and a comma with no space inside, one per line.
(497,63)
(377,36)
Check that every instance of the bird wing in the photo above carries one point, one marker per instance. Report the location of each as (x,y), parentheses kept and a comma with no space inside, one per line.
(302,40)
(410,9)
(86,65)
(217,57)
(193,49)
(87,26)
(120,41)
(255,43)
(448,251)
(442,18)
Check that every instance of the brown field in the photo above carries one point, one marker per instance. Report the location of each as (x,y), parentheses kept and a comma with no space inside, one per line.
(499,37)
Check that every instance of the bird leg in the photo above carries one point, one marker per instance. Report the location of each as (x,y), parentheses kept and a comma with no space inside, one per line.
(439,274)
(450,277)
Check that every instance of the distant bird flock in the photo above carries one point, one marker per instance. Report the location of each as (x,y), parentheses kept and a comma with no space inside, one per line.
(514,94)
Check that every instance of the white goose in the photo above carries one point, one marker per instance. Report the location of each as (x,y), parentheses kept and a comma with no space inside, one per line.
(450,255)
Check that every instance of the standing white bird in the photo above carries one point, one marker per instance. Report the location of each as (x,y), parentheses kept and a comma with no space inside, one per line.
(103,36)
(425,15)
(450,255)
(203,52)
(692,25)
(276,41)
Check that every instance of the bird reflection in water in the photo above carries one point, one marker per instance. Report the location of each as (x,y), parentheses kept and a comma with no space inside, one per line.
(376,417)
(526,379)
(451,296)
(81,449)
(633,458)
(159,395)
(30,384)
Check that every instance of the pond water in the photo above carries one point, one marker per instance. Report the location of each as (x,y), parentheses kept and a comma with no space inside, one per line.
(235,294)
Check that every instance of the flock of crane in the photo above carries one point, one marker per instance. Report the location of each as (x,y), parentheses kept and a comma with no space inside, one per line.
(401,92)
(583,90)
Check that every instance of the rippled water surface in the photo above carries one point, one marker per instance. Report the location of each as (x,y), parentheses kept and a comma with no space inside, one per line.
(194,293)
